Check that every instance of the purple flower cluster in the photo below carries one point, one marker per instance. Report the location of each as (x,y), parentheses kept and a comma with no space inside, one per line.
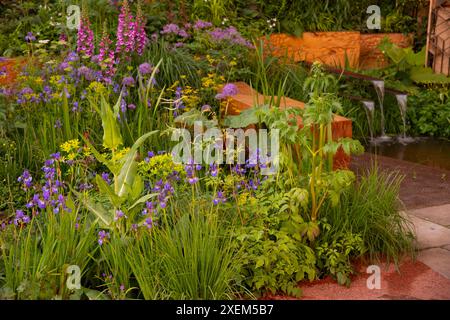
(145,68)
(85,40)
(119,215)
(105,177)
(150,155)
(164,190)
(220,198)
(3,71)
(228,90)
(173,29)
(231,35)
(103,237)
(191,169)
(26,180)
(178,103)
(30,37)
(51,195)
(200,24)
(213,170)
(21,218)
(27,95)
(128,81)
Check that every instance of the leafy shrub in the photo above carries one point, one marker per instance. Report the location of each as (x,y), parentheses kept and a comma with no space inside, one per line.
(429,113)
(334,258)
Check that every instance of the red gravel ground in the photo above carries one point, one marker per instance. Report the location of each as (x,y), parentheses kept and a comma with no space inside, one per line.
(415,281)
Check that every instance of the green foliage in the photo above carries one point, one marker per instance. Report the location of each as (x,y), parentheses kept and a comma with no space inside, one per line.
(275,258)
(429,113)
(35,257)
(128,184)
(410,64)
(191,260)
(296,17)
(334,258)
(370,209)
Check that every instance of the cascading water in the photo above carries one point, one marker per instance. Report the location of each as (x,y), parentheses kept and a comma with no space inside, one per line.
(379,88)
(402,100)
(369,107)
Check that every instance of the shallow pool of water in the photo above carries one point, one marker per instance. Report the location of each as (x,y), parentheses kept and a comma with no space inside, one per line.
(427,151)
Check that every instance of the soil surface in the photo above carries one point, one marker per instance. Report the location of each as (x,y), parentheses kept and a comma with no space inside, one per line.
(415,281)
(422,186)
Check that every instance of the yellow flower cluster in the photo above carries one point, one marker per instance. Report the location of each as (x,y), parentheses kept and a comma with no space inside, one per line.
(212,81)
(160,167)
(118,155)
(97,87)
(190,97)
(71,149)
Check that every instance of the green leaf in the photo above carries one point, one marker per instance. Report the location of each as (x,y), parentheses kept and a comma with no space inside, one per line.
(100,157)
(66,117)
(243,120)
(112,138)
(194,115)
(106,189)
(259,262)
(94,294)
(97,209)
(125,179)
(424,75)
(138,187)
(143,199)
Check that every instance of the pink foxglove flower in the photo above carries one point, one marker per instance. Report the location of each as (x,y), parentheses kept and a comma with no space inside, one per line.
(85,41)
(126,30)
(106,54)
(141,35)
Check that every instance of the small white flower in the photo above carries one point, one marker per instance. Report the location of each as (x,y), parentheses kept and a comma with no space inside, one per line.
(44,41)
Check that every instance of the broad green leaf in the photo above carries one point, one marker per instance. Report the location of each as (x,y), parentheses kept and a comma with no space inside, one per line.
(97,209)
(106,189)
(112,138)
(125,179)
(137,188)
(194,115)
(94,294)
(143,199)
(243,120)
(425,75)
(416,59)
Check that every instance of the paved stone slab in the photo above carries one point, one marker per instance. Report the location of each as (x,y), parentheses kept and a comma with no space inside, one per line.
(437,259)
(429,234)
(437,214)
